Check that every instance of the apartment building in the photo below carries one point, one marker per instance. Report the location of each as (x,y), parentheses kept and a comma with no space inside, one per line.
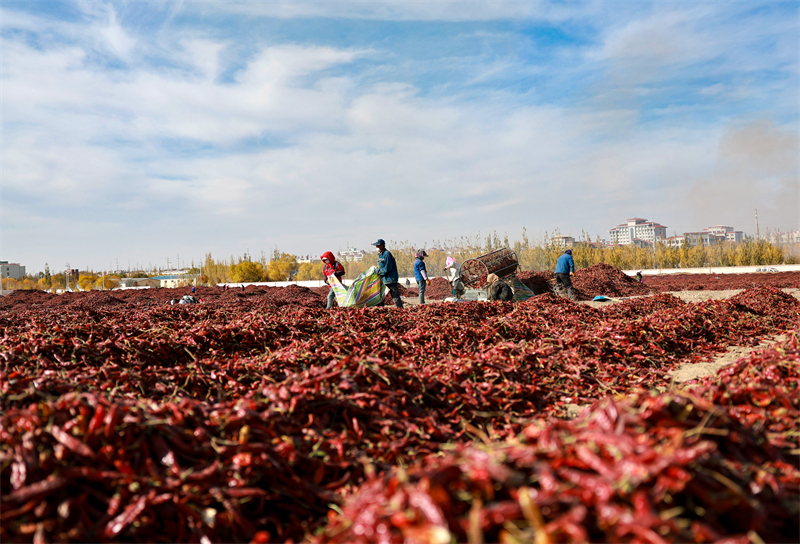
(724,233)
(710,235)
(637,231)
(563,241)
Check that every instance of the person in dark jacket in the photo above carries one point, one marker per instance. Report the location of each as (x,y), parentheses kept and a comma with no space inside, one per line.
(332,268)
(421,274)
(565,267)
(498,289)
(387,270)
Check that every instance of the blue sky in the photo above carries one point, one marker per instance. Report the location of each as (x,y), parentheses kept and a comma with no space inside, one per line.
(144,130)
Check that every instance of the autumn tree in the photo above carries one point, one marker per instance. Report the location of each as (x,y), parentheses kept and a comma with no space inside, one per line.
(107,282)
(282,266)
(215,271)
(86,282)
(311,271)
(246,271)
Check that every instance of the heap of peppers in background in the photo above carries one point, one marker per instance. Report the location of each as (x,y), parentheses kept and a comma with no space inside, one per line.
(252,418)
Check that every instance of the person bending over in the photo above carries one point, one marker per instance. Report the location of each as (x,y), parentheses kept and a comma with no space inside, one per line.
(498,289)
(565,267)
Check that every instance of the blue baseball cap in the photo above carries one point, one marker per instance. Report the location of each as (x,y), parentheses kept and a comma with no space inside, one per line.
(380,242)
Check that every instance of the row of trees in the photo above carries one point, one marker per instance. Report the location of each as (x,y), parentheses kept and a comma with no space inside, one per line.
(532,255)
(280,267)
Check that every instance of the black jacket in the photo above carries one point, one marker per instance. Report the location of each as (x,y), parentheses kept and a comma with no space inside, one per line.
(501,291)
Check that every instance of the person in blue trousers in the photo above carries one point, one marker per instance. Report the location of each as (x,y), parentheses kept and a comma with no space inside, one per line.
(421,274)
(387,270)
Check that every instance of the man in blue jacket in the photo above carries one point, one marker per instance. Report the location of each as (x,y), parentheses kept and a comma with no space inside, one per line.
(387,270)
(565,267)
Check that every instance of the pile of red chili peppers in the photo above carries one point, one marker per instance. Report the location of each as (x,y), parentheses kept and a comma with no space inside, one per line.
(249,418)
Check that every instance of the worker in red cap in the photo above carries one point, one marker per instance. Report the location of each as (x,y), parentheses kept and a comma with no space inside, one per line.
(332,268)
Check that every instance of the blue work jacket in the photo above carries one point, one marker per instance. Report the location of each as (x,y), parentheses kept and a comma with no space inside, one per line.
(565,264)
(387,267)
(419,266)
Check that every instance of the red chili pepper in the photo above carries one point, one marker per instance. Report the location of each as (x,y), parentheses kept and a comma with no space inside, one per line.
(35,489)
(128,516)
(71,442)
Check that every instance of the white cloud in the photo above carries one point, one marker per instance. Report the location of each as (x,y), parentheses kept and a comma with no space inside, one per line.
(204,55)
(398,10)
(304,144)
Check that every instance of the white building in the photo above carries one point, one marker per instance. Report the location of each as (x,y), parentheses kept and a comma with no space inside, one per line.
(675,241)
(708,236)
(351,255)
(724,233)
(637,231)
(303,259)
(563,241)
(792,237)
(12,270)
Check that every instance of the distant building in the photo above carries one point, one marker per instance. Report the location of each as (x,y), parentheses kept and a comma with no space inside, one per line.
(675,241)
(699,238)
(12,270)
(563,241)
(708,236)
(637,231)
(181,280)
(792,237)
(351,255)
(307,259)
(724,233)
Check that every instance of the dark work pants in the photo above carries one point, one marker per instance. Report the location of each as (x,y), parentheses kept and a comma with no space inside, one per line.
(422,286)
(565,281)
(331,299)
(394,290)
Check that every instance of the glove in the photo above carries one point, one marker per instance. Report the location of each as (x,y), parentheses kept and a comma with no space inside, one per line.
(427,282)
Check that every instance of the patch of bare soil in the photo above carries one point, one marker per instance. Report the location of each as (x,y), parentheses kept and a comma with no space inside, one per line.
(692,371)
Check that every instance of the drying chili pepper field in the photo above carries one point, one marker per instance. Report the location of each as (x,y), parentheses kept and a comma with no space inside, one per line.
(260,416)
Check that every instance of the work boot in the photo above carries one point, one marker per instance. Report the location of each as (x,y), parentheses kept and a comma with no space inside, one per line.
(398,302)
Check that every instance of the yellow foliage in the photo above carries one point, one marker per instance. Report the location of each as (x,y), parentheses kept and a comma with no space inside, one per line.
(311,271)
(107,282)
(282,267)
(86,282)
(246,271)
